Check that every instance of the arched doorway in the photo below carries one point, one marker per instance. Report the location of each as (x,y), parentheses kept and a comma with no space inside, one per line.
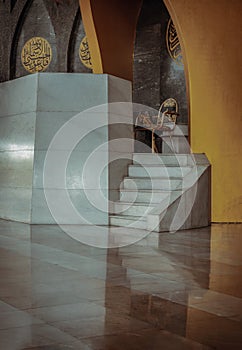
(158,71)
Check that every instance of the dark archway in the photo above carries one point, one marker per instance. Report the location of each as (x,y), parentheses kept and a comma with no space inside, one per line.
(34,21)
(74,63)
(158,72)
(14,47)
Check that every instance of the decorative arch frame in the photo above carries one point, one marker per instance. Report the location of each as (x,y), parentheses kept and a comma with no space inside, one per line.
(175,20)
(16,36)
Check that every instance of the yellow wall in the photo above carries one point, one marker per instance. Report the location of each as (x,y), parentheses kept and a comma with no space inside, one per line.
(110,26)
(88,21)
(210,33)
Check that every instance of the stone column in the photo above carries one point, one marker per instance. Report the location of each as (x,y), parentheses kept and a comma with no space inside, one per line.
(51,104)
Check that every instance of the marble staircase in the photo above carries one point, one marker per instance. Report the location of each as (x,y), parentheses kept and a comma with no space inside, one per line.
(164,192)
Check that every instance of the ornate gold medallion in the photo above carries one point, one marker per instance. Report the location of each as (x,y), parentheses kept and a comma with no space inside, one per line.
(36,55)
(173,44)
(84,53)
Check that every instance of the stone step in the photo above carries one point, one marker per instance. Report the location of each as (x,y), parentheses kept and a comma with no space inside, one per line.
(143,196)
(158,171)
(128,221)
(162,159)
(151,194)
(154,183)
(132,209)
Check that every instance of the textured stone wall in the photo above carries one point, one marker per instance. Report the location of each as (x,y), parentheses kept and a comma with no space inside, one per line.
(156,75)
(58,22)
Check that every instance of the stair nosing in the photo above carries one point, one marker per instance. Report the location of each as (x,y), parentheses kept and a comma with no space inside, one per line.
(164,154)
(134,203)
(153,177)
(160,165)
(146,190)
(128,217)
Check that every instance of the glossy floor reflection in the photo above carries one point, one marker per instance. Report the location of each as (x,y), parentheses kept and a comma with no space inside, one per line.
(168,291)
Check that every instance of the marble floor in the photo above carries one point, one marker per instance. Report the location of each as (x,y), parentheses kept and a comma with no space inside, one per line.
(168,291)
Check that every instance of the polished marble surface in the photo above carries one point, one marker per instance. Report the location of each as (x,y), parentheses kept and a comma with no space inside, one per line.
(38,110)
(167,291)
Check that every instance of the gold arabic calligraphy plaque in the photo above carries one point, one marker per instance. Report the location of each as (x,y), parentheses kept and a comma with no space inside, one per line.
(84,53)
(173,44)
(36,55)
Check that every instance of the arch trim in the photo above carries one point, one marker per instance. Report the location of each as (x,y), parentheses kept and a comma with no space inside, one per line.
(89,25)
(176,21)
(14,45)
